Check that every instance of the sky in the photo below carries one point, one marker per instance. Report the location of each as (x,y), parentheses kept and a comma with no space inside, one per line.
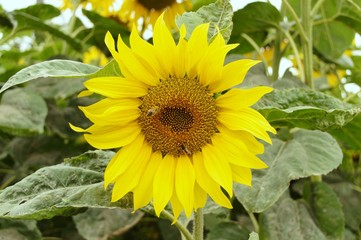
(16,4)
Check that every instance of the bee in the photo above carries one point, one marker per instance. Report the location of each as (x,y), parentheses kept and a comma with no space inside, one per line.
(152,111)
(185,149)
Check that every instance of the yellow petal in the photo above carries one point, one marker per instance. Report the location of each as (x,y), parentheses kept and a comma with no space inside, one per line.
(85,93)
(197,47)
(184,183)
(211,65)
(136,68)
(116,87)
(163,183)
(247,119)
(108,103)
(200,196)
(242,175)
(146,50)
(165,46)
(77,129)
(114,116)
(122,160)
(108,137)
(176,207)
(218,167)
(143,193)
(237,98)
(236,152)
(207,183)
(127,181)
(232,74)
(253,145)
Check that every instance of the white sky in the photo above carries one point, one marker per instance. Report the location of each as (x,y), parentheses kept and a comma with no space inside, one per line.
(10,5)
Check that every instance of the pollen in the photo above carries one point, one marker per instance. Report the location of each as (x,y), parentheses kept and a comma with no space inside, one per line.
(156,4)
(183,119)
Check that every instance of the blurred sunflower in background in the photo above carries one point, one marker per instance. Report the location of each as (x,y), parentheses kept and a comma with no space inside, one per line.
(103,7)
(180,139)
(145,12)
(94,56)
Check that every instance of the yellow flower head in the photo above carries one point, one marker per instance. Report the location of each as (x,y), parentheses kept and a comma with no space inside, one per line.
(104,7)
(148,11)
(179,142)
(94,56)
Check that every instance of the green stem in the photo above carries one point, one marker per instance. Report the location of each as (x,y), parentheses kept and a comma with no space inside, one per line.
(296,53)
(316,178)
(315,8)
(276,56)
(257,48)
(307,43)
(254,221)
(198,224)
(296,18)
(350,97)
(184,231)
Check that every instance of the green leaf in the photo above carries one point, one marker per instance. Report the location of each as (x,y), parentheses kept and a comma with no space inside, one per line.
(41,11)
(97,223)
(22,113)
(254,20)
(326,208)
(349,135)
(350,197)
(101,26)
(289,219)
(305,109)
(62,189)
(19,230)
(56,88)
(253,236)
(255,17)
(307,153)
(332,39)
(25,21)
(350,14)
(218,14)
(227,230)
(110,70)
(50,69)
(196,4)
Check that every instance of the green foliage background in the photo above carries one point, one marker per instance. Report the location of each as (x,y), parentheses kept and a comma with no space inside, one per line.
(51,180)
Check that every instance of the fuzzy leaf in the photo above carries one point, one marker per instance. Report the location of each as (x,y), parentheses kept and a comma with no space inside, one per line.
(327,209)
(97,223)
(22,113)
(219,14)
(308,153)
(289,219)
(305,109)
(50,69)
(63,189)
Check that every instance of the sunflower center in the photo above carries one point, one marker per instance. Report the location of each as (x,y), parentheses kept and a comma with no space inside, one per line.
(178,117)
(156,4)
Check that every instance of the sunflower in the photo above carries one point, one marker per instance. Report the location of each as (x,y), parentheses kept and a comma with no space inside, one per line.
(148,11)
(104,7)
(181,139)
(95,56)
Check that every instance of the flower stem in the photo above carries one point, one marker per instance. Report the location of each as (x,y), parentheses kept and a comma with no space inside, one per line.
(307,42)
(184,231)
(254,221)
(198,224)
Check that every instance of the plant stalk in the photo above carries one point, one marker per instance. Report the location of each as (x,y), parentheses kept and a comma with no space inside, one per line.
(198,224)
(307,42)
(184,231)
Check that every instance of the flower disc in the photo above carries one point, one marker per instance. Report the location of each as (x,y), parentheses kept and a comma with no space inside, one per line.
(178,116)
